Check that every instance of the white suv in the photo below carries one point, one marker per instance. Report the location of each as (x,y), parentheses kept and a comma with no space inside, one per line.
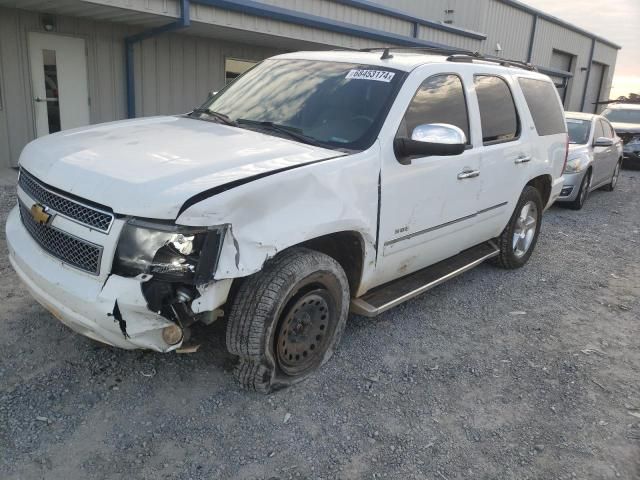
(314,184)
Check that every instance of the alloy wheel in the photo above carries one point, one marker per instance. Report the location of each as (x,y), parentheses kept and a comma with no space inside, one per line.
(525,229)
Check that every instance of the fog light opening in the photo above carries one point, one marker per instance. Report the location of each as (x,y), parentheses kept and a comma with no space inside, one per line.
(172,334)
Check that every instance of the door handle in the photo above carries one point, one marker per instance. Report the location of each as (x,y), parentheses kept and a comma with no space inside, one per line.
(522,159)
(38,99)
(468,174)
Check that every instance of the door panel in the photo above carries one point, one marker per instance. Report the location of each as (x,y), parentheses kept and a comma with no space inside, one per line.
(601,156)
(59,82)
(506,156)
(427,212)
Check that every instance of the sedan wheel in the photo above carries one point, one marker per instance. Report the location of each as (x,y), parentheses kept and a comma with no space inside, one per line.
(585,186)
(614,179)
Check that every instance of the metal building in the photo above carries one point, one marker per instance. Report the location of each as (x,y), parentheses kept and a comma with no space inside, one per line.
(67,63)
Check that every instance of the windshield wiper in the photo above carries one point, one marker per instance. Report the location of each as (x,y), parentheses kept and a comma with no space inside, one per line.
(220,117)
(291,132)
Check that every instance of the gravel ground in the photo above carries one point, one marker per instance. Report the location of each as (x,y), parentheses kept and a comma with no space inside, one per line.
(528,374)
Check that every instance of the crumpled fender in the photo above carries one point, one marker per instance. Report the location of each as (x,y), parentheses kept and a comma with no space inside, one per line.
(269,214)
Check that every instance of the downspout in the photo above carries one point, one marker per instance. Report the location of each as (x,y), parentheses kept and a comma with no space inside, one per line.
(532,38)
(586,80)
(182,22)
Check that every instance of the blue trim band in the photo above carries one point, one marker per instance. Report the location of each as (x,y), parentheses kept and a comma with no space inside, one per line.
(392,12)
(263,10)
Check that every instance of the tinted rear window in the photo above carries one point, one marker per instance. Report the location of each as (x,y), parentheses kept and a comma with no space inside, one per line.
(545,109)
(498,115)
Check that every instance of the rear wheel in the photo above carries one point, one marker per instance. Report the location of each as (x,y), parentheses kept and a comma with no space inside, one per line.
(520,236)
(583,193)
(286,320)
(614,179)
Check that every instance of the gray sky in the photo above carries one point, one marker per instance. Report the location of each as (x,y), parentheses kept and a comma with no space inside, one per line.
(615,20)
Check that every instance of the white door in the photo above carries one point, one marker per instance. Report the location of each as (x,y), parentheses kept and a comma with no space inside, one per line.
(428,207)
(59,82)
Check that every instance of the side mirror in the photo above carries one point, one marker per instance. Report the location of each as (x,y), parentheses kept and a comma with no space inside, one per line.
(430,139)
(603,142)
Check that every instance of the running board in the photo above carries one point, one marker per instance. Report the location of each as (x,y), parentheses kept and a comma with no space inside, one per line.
(394,293)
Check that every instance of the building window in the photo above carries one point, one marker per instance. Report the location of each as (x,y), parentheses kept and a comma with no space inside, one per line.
(234,67)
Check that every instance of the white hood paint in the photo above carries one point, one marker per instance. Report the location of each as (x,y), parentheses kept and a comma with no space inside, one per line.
(149,167)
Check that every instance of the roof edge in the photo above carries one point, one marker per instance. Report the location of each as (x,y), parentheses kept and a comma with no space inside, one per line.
(558,21)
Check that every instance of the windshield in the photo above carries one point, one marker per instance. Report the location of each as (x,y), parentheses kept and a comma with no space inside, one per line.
(336,105)
(578,130)
(622,116)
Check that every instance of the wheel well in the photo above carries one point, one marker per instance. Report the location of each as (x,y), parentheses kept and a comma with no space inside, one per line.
(543,184)
(347,249)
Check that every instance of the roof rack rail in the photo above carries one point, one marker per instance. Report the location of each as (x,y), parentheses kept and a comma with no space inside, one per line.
(457,55)
(490,58)
(438,50)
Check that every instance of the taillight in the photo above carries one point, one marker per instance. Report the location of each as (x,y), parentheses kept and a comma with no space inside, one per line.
(566,154)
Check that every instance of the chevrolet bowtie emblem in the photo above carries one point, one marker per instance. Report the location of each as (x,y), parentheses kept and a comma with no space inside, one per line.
(39,214)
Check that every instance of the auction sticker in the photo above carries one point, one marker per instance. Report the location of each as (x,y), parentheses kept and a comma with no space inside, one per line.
(377,75)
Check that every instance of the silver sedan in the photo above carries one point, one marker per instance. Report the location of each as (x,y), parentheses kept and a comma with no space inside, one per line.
(595,157)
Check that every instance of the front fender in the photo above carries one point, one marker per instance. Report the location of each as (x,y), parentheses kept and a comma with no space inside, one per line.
(275,212)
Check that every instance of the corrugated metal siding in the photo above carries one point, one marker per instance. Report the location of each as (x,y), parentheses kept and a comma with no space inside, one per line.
(176,72)
(467,14)
(225,18)
(345,13)
(550,36)
(509,27)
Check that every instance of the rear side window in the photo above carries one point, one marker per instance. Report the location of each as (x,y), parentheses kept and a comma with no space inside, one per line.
(498,114)
(440,99)
(543,104)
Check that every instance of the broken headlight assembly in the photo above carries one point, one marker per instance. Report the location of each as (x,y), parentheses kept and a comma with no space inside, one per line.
(168,252)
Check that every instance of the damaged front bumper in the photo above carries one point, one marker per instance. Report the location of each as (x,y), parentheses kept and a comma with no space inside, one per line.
(85,303)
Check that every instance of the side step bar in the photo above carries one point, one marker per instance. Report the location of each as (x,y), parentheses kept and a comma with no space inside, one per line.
(394,293)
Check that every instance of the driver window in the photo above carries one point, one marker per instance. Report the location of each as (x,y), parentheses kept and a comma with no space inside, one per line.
(440,99)
(599,131)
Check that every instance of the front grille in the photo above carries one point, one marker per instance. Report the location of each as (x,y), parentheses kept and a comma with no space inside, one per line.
(68,248)
(83,214)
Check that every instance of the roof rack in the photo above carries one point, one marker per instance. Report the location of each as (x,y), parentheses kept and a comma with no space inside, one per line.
(456,55)
(505,62)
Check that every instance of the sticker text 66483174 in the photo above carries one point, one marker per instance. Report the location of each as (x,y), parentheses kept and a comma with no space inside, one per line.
(377,75)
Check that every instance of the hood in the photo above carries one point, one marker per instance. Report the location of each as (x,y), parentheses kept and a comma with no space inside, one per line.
(626,127)
(575,150)
(149,167)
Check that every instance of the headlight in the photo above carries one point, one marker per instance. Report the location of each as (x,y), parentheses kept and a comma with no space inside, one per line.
(168,252)
(575,165)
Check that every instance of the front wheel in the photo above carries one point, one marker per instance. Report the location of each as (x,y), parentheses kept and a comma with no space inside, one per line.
(520,236)
(583,193)
(286,320)
(614,179)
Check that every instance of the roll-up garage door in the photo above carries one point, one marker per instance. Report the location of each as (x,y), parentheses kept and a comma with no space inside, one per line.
(564,62)
(594,87)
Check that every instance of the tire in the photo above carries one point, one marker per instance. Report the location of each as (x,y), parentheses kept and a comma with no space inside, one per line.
(583,193)
(511,254)
(614,179)
(286,320)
